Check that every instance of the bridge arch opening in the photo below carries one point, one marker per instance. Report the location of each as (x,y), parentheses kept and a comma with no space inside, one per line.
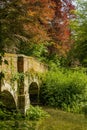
(7,100)
(34,93)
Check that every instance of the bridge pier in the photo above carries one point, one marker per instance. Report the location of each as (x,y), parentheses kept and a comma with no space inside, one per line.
(21,96)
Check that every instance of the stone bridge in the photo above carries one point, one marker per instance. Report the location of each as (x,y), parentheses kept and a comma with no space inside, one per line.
(20,86)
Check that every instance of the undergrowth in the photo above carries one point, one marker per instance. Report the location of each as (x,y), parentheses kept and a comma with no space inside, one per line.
(64,89)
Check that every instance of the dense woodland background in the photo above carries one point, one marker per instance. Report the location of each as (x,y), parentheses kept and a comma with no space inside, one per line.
(51,30)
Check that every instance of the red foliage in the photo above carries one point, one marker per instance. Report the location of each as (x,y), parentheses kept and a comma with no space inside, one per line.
(49,20)
(60,30)
(39,14)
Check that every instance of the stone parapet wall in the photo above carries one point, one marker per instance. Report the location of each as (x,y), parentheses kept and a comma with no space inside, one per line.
(36,65)
(30,63)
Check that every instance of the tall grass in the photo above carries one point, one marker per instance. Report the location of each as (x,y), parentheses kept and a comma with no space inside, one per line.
(61,120)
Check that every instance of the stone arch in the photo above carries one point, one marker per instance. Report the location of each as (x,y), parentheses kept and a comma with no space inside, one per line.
(34,93)
(13,90)
(8,100)
(6,86)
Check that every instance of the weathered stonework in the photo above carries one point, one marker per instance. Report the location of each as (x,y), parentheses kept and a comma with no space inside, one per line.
(20,74)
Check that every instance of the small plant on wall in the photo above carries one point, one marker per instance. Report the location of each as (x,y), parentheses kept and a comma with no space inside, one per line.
(2,61)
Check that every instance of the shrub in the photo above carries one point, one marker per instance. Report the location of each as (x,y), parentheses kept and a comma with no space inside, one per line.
(36,113)
(6,114)
(65,89)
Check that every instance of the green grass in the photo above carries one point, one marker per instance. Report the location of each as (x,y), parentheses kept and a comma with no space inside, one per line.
(58,120)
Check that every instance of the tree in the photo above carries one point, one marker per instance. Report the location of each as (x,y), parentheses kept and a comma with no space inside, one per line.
(79,31)
(13,16)
(39,15)
(60,30)
(49,22)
